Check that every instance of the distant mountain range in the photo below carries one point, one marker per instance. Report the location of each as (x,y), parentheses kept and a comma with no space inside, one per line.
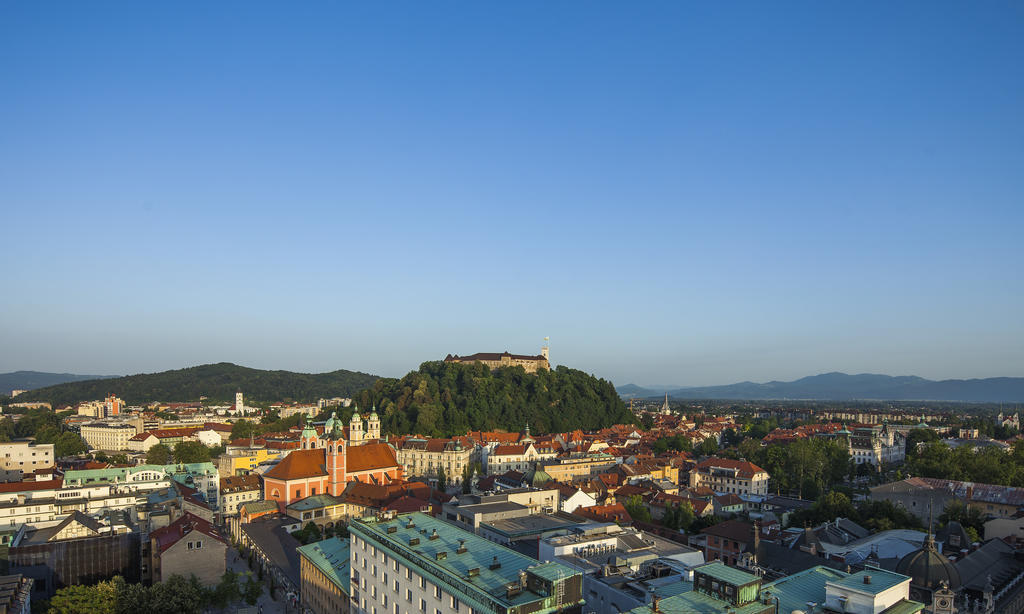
(844,387)
(217,382)
(30,380)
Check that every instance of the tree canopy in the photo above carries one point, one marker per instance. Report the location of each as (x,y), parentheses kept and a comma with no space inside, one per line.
(218,382)
(443,399)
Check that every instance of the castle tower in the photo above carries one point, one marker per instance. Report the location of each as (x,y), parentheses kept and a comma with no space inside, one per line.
(373,424)
(239,405)
(545,350)
(355,429)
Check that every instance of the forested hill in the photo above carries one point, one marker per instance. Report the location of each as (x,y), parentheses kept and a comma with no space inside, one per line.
(218,382)
(444,399)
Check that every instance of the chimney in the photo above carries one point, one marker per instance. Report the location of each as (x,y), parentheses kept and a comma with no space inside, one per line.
(867,579)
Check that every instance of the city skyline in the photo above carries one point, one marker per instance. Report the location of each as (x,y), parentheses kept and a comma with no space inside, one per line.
(675,195)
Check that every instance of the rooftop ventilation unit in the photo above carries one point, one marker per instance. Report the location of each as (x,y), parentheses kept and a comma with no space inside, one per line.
(415,541)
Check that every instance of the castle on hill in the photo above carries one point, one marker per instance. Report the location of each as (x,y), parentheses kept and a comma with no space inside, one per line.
(531,364)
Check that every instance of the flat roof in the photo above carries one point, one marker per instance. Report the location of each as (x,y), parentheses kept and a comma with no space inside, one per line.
(796,590)
(526,525)
(491,508)
(881,580)
(723,572)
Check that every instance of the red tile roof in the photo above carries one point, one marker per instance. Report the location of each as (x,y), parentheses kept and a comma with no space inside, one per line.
(33,485)
(165,537)
(745,469)
(298,465)
(369,457)
(509,450)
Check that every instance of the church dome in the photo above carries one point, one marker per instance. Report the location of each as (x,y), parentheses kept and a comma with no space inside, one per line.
(928,568)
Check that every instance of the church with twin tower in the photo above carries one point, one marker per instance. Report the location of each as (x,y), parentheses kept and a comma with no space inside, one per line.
(327,460)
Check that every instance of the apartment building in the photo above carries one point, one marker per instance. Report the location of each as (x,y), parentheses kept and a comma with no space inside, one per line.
(26,456)
(417,563)
(426,457)
(324,575)
(108,436)
(724,475)
(238,489)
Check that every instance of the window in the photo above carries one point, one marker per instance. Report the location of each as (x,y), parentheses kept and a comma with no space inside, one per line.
(455,604)
(199,545)
(423,582)
(408,595)
(437,592)
(423,605)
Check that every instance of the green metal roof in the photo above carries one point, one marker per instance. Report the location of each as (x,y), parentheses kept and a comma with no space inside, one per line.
(905,606)
(881,580)
(314,502)
(695,602)
(796,590)
(723,572)
(253,507)
(331,557)
(120,474)
(480,554)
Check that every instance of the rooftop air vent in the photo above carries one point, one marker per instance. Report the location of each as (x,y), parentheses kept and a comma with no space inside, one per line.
(440,556)
(495,564)
(392,530)
(474,572)
(415,541)
(433,535)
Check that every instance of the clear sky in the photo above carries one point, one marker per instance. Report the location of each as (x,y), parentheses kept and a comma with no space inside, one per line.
(675,193)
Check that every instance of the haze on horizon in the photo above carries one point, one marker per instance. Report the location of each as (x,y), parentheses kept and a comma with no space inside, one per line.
(687,195)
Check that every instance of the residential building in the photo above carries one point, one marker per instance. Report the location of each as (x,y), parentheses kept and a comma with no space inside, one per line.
(726,541)
(577,466)
(188,546)
(923,496)
(470,511)
(724,475)
(716,589)
(78,550)
(511,457)
(622,567)
(238,489)
(418,563)
(426,457)
(493,360)
(239,461)
(26,456)
(325,464)
(324,575)
(108,436)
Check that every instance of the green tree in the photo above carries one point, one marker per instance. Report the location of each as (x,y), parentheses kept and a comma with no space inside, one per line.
(636,509)
(253,589)
(442,480)
(467,479)
(243,429)
(177,595)
(159,454)
(708,447)
(227,590)
(191,452)
(96,599)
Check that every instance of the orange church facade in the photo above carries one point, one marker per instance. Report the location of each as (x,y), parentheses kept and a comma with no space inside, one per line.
(325,464)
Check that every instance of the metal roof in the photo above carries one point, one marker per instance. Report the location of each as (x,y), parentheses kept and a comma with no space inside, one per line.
(723,572)
(795,591)
(496,566)
(881,580)
(331,557)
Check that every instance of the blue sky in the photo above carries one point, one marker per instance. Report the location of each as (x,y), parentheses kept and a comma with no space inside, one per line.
(674,193)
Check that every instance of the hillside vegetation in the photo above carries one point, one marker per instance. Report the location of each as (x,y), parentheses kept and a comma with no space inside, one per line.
(218,382)
(444,399)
